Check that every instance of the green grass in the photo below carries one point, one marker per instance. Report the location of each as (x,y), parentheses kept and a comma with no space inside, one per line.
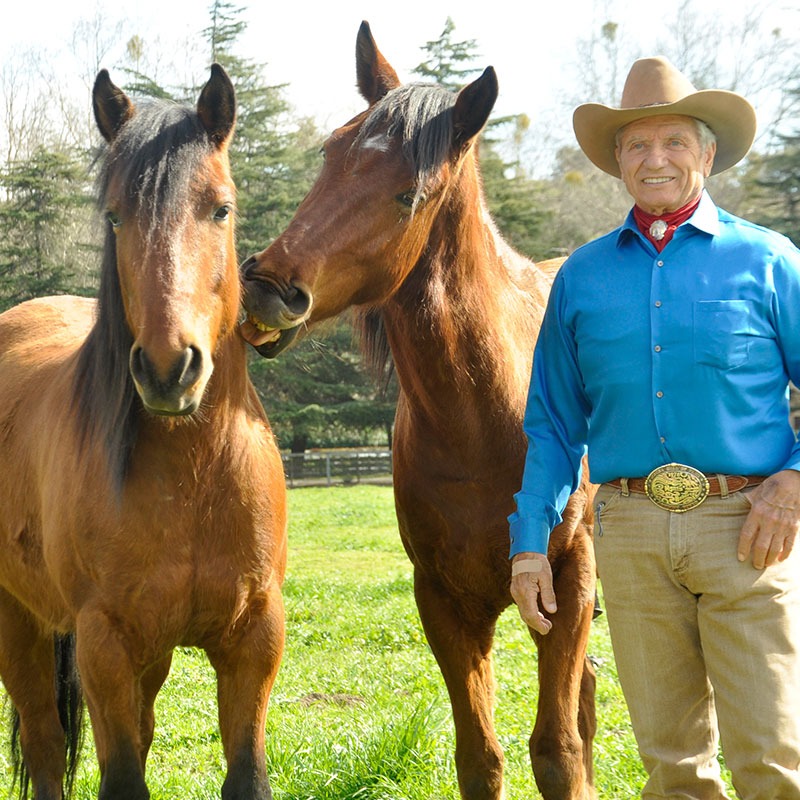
(359,710)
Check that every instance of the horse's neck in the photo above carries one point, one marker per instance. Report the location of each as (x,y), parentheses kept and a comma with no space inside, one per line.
(230,389)
(462,330)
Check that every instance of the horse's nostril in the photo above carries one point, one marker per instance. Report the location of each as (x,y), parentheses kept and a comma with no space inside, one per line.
(191,366)
(138,365)
(298,300)
(181,374)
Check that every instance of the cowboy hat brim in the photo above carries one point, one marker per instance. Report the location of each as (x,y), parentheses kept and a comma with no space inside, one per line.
(729,115)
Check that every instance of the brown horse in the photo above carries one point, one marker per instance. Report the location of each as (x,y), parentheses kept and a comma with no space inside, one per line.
(396,225)
(142,499)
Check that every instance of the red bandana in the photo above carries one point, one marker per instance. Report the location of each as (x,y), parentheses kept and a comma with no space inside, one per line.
(664,224)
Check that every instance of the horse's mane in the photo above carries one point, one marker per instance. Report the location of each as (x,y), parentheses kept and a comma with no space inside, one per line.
(421,116)
(153,157)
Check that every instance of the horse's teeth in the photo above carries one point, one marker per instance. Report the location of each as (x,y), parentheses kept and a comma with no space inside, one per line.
(262,327)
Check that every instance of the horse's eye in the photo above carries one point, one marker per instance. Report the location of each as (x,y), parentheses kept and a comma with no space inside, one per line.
(113,219)
(406,199)
(410,200)
(222,213)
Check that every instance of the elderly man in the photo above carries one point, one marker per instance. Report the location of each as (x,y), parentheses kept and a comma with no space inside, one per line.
(667,349)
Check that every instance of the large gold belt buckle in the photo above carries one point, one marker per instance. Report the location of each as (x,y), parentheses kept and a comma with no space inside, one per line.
(676,487)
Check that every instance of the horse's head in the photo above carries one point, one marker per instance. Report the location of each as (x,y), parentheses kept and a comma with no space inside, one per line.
(387,176)
(169,199)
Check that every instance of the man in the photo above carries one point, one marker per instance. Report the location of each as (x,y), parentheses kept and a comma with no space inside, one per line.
(667,348)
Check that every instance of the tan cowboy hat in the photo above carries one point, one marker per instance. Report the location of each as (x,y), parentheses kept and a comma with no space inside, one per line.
(655,87)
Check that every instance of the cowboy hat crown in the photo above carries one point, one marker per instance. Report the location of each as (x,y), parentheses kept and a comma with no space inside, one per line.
(655,87)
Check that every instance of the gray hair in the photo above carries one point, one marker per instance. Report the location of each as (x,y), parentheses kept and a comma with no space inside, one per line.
(706,136)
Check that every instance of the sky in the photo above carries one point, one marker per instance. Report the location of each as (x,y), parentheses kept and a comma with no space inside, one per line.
(310,45)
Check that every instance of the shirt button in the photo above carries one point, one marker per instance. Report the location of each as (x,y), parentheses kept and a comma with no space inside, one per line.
(658,304)
(663,440)
(659,394)
(657,348)
(660,263)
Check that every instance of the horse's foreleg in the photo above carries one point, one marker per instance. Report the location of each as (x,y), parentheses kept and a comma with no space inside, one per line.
(151,683)
(246,668)
(27,666)
(113,696)
(461,641)
(561,743)
(587,716)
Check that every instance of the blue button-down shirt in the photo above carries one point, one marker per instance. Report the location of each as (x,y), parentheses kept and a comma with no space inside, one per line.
(649,358)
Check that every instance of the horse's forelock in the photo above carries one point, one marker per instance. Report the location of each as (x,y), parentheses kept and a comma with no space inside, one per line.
(421,116)
(157,151)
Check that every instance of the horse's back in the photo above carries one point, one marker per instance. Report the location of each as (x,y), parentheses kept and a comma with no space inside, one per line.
(40,330)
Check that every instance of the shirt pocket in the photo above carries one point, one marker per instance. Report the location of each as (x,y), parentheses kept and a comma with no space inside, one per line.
(722,333)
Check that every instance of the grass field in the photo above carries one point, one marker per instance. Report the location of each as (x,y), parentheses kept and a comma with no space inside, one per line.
(359,710)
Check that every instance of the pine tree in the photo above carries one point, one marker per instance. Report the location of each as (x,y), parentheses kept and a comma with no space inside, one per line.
(319,393)
(446,60)
(780,188)
(36,251)
(273,165)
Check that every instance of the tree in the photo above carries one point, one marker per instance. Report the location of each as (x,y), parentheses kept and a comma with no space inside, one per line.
(515,203)
(38,255)
(778,186)
(446,60)
(319,393)
(273,165)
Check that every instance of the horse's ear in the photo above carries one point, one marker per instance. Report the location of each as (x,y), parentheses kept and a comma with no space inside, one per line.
(112,107)
(217,106)
(376,76)
(473,106)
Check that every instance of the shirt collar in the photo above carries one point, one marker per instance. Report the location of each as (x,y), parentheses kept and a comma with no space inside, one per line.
(705,219)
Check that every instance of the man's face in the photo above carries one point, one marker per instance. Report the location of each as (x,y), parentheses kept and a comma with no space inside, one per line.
(662,162)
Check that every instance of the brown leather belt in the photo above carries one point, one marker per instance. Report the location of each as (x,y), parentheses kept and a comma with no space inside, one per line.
(677,487)
(735,483)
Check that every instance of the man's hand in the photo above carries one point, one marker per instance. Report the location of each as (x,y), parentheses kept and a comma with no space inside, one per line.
(771,527)
(533,581)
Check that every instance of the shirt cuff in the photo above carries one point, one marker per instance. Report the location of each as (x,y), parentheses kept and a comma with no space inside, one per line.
(527,535)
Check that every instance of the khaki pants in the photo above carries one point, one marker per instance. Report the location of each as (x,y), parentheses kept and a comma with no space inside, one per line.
(703,644)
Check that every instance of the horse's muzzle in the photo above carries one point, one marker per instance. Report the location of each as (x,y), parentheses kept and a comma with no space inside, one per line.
(274,304)
(174,392)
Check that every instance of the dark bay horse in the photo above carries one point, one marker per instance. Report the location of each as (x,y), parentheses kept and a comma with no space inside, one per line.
(142,498)
(396,226)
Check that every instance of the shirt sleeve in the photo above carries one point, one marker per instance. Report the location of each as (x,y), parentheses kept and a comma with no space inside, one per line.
(556,426)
